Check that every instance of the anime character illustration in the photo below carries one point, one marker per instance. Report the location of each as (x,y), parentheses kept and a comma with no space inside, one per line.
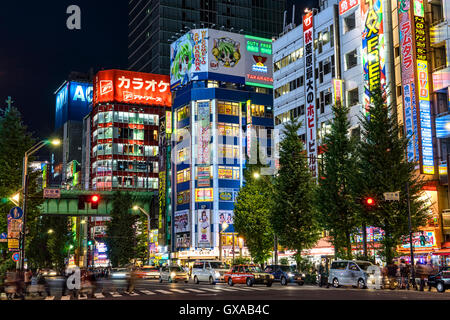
(226,51)
(204,227)
(182,60)
(229,219)
(221,218)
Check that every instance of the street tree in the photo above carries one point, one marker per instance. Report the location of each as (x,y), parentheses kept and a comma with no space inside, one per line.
(120,230)
(252,213)
(293,214)
(61,239)
(382,167)
(336,207)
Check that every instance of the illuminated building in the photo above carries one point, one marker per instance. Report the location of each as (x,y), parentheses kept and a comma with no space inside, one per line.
(153,24)
(125,117)
(222,102)
(404,46)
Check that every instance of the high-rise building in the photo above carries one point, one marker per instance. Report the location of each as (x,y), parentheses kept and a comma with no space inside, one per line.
(73,103)
(153,24)
(124,123)
(222,108)
(340,53)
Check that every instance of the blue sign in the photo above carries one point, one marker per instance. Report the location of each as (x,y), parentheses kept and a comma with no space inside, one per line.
(3,235)
(443,126)
(72,102)
(16,213)
(16,256)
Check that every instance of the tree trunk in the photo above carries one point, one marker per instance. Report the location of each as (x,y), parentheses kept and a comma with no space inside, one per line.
(364,240)
(348,245)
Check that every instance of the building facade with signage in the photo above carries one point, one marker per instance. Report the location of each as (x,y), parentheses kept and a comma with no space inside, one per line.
(358,45)
(124,123)
(222,104)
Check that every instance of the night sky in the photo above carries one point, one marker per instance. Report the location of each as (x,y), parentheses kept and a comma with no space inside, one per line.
(37,51)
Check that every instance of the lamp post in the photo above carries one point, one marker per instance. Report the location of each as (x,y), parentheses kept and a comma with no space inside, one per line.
(224,226)
(28,153)
(148,230)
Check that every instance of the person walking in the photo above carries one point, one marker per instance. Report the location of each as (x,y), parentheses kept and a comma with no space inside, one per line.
(131,281)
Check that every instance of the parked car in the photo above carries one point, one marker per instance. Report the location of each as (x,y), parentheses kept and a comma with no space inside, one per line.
(148,272)
(119,273)
(285,274)
(173,274)
(441,280)
(347,272)
(248,274)
(209,270)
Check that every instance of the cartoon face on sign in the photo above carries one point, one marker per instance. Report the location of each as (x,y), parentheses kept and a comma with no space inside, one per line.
(182,60)
(226,51)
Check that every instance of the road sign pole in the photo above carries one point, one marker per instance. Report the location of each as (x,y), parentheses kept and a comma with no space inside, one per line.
(24,225)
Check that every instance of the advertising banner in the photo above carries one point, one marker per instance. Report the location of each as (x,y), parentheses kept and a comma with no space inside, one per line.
(423,87)
(408,81)
(181,221)
(204,195)
(228,194)
(189,57)
(373,48)
(338,91)
(204,227)
(168,121)
(225,53)
(203,176)
(132,87)
(15,222)
(422,239)
(226,216)
(204,133)
(258,62)
(183,240)
(310,89)
(345,5)
(72,102)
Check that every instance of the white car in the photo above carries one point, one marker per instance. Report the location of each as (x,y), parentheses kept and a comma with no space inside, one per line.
(210,271)
(119,273)
(173,274)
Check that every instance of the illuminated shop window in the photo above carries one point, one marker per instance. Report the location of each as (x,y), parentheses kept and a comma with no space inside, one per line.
(229,108)
(228,129)
(184,175)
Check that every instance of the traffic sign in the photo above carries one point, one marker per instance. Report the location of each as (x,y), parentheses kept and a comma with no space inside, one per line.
(3,237)
(15,256)
(52,193)
(392,196)
(15,213)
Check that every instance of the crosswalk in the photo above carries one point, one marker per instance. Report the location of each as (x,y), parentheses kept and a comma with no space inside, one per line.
(157,291)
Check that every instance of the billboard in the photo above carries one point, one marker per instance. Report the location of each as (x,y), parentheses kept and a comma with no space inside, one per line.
(408,82)
(226,216)
(373,48)
(183,240)
(310,89)
(132,87)
(204,227)
(73,101)
(212,54)
(345,5)
(204,132)
(181,221)
(338,91)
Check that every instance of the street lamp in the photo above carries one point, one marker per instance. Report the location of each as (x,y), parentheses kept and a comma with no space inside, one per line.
(135,208)
(50,231)
(256,175)
(224,227)
(28,153)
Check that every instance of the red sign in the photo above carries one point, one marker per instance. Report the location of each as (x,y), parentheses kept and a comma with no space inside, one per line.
(132,87)
(345,5)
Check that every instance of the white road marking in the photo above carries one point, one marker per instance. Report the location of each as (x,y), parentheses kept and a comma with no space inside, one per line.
(179,291)
(147,292)
(115,294)
(164,291)
(50,298)
(211,290)
(195,290)
(82,297)
(99,295)
(65,298)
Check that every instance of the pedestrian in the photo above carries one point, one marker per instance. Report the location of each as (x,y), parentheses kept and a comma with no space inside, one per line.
(27,279)
(403,274)
(131,281)
(42,282)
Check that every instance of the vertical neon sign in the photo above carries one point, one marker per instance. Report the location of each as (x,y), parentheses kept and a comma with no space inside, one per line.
(373,48)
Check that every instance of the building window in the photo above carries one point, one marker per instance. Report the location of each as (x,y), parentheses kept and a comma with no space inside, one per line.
(228,129)
(184,175)
(351,59)
(228,108)
(349,22)
(183,113)
(353,97)
(229,173)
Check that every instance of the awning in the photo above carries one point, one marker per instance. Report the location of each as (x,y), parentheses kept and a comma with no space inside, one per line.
(442,252)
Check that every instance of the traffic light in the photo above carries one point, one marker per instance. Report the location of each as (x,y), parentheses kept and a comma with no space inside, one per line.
(94,201)
(369,203)
(81,201)
(89,243)
(422,240)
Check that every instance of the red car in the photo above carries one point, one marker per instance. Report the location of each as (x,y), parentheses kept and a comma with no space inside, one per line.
(148,272)
(249,275)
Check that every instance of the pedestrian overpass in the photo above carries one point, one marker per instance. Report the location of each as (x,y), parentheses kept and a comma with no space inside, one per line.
(67,203)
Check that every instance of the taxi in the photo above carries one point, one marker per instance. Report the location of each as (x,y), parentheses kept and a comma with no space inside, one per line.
(248,274)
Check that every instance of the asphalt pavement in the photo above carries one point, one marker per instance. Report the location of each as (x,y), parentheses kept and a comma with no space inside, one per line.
(153,290)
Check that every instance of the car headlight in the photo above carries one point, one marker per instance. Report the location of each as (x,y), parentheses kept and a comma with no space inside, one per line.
(217,274)
(303,275)
(290,274)
(173,274)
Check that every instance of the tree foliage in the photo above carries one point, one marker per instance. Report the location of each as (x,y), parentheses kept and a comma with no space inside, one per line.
(382,167)
(252,213)
(337,211)
(294,217)
(120,230)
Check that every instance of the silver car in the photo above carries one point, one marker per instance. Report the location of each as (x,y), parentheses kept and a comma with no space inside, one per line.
(349,273)
(210,271)
(173,274)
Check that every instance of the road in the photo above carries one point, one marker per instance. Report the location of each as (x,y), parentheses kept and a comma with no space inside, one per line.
(153,290)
